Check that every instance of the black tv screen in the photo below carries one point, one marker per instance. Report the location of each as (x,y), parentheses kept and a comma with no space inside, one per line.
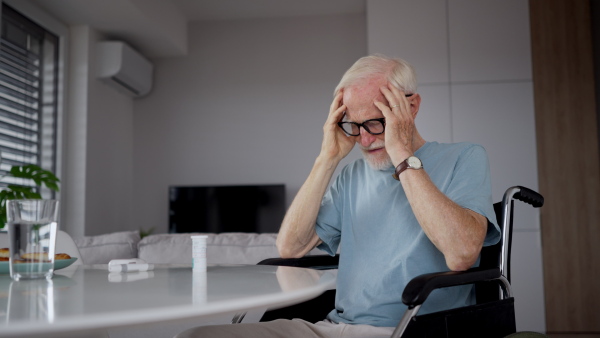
(216,209)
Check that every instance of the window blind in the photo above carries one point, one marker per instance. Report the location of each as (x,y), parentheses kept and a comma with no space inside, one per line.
(28,94)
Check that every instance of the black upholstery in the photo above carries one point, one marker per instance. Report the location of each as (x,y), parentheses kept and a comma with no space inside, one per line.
(320,262)
(492,316)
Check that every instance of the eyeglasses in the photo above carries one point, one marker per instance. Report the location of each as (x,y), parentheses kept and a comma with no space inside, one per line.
(373,127)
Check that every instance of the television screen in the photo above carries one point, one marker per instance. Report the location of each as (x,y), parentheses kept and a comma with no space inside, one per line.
(216,209)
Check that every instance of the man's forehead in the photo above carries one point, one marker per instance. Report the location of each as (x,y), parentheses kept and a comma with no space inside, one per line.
(359,99)
(365,90)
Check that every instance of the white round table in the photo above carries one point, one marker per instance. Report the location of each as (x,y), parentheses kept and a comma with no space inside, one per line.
(90,298)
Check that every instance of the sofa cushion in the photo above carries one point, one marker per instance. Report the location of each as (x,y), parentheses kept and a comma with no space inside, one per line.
(102,249)
(224,248)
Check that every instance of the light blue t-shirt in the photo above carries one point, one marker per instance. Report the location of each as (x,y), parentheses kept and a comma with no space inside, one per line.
(382,246)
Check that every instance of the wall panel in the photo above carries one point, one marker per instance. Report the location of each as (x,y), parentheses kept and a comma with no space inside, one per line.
(568,161)
(413,30)
(489,40)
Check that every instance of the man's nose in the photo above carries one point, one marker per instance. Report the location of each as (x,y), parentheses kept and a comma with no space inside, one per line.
(366,138)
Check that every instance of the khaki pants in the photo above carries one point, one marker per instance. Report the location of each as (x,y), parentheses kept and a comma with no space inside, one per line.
(284,328)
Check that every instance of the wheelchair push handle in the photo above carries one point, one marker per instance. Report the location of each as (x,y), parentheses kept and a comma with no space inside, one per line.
(529,196)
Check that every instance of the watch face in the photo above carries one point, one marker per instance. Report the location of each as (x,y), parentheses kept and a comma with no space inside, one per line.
(414,162)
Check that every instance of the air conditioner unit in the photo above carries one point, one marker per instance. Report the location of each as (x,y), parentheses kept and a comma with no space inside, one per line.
(122,67)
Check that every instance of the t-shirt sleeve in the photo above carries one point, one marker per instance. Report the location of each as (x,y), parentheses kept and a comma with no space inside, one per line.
(471,188)
(328,225)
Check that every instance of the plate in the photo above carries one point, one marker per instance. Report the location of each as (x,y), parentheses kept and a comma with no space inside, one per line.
(58,264)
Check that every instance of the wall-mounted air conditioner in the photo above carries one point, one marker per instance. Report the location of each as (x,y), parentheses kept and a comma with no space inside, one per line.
(122,67)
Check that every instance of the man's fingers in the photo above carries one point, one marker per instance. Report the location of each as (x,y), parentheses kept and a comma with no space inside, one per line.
(337,114)
(389,96)
(337,100)
(385,110)
(336,110)
(402,94)
(335,117)
(393,99)
(396,99)
(395,90)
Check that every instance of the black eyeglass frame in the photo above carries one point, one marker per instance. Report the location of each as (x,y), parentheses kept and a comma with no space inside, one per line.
(380,120)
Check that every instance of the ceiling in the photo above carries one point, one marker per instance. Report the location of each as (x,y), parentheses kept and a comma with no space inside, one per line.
(196,10)
(158,28)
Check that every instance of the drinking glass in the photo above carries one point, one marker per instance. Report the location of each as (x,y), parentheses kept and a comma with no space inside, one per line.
(32,226)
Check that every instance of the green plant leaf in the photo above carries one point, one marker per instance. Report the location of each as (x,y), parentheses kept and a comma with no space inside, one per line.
(14,191)
(37,174)
(4,196)
(144,232)
(22,192)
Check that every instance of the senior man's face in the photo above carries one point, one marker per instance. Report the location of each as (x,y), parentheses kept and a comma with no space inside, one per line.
(359,102)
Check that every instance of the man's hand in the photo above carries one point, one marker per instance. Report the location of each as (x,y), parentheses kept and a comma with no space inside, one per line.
(336,144)
(399,122)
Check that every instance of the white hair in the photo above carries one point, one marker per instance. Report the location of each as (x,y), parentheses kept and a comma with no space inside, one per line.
(397,71)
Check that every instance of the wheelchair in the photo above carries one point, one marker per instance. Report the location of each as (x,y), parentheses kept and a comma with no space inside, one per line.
(493,315)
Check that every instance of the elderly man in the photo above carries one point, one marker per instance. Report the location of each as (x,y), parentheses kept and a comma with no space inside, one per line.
(409,207)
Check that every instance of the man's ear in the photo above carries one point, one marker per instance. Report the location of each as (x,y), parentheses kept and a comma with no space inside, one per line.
(415,104)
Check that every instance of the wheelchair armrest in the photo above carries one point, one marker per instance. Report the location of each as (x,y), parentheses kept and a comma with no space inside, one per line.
(419,288)
(319,262)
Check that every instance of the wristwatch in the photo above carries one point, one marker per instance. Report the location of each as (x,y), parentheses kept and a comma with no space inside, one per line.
(411,162)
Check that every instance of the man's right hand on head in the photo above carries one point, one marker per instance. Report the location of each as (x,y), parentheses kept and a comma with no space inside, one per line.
(336,144)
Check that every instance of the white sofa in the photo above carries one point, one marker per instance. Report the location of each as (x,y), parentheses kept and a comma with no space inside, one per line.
(224,248)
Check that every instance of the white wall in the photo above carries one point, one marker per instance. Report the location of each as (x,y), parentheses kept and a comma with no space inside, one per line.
(98,190)
(474,67)
(109,180)
(246,106)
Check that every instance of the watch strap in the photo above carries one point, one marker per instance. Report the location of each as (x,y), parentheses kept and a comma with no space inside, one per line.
(399,169)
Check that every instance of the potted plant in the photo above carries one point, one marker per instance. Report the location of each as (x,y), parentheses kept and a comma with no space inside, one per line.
(14,191)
